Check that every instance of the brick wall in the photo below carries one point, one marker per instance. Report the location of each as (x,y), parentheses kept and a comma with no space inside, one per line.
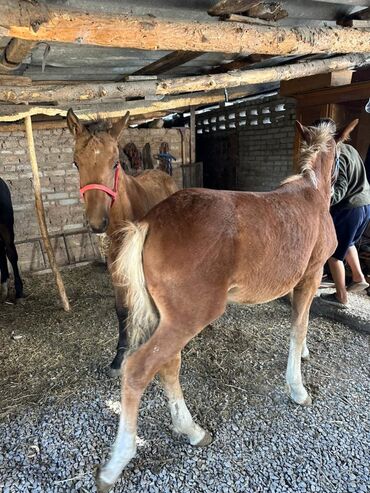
(264,130)
(60,184)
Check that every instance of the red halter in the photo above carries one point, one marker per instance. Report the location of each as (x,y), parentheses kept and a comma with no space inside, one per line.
(103,188)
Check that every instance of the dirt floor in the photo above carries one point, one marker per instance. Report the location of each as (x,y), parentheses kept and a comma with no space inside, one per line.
(57,405)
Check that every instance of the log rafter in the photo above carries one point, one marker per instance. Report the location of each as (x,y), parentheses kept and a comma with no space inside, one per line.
(165,87)
(149,33)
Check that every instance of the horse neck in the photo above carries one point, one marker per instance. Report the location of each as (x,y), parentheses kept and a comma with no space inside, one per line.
(322,167)
(130,203)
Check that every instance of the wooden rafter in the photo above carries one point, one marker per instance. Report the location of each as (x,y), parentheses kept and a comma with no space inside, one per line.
(128,31)
(89,112)
(168,62)
(91,92)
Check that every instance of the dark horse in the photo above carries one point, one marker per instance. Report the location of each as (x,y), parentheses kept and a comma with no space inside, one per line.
(7,246)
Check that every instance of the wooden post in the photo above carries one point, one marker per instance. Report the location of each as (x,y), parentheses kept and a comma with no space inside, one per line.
(41,214)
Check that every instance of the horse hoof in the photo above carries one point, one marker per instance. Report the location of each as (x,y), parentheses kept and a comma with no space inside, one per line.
(307,401)
(101,485)
(114,372)
(205,441)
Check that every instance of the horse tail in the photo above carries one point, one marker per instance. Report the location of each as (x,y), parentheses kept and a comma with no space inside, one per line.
(129,272)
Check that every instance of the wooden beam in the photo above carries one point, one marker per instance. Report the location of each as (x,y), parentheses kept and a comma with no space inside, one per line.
(91,112)
(91,92)
(126,31)
(268,74)
(41,214)
(14,80)
(225,7)
(15,52)
(168,62)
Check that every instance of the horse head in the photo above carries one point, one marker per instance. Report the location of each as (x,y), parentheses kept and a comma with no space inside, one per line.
(320,148)
(96,156)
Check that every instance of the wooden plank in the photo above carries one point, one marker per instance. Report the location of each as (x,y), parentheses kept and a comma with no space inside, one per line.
(145,33)
(225,7)
(342,94)
(43,125)
(91,92)
(304,84)
(240,63)
(168,62)
(40,212)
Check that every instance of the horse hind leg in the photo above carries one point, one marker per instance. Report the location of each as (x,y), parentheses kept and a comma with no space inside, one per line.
(139,368)
(12,255)
(182,420)
(301,303)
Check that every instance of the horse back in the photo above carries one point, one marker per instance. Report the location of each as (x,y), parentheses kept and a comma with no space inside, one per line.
(256,245)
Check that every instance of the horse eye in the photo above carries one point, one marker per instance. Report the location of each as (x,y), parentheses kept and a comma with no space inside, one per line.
(116,164)
(75,164)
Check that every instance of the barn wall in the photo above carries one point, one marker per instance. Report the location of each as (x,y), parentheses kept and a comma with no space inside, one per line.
(250,144)
(60,183)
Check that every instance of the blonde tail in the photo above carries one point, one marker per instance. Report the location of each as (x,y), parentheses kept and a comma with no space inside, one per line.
(128,271)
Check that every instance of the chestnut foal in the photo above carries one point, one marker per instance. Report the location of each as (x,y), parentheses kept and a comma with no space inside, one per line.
(96,157)
(199,249)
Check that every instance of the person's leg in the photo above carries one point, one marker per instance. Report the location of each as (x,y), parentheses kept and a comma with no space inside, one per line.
(354,263)
(339,277)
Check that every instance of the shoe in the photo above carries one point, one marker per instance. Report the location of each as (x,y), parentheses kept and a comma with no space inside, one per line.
(331,299)
(355,287)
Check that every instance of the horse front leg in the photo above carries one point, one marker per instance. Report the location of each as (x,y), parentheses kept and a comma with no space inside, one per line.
(4,272)
(122,345)
(301,303)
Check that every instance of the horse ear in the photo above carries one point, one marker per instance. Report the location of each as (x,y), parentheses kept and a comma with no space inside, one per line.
(119,126)
(75,126)
(346,131)
(303,131)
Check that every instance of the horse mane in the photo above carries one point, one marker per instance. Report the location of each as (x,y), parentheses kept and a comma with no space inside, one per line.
(319,137)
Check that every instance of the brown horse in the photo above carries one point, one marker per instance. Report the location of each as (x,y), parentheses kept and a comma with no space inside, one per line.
(199,249)
(96,156)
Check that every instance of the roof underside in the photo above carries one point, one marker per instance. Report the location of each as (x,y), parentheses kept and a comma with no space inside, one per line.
(57,62)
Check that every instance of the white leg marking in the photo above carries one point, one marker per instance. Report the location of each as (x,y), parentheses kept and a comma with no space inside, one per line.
(305,351)
(123,451)
(293,374)
(184,423)
(4,290)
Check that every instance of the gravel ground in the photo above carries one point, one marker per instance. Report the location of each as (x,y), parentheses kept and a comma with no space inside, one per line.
(59,410)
